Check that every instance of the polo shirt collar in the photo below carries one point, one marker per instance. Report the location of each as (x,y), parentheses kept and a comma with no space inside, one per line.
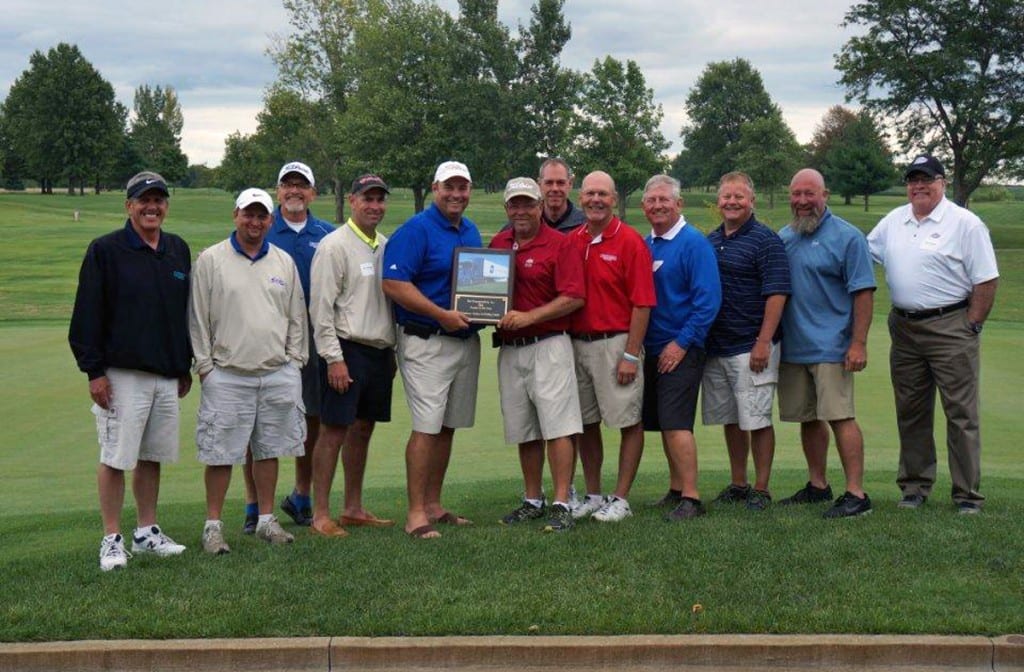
(936,215)
(264,249)
(673,232)
(136,241)
(746,227)
(374,242)
(280,225)
(608,232)
(565,215)
(435,213)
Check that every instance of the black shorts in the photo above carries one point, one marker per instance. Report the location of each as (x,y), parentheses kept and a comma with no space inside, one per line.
(670,399)
(368,397)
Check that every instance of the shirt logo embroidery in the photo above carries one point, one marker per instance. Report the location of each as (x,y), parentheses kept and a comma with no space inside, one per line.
(609,257)
(528,263)
(179,275)
(274,280)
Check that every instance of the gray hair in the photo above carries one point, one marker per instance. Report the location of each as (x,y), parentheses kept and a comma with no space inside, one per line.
(554,161)
(667,180)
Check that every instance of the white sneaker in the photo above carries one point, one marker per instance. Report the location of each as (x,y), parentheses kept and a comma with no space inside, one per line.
(112,553)
(213,539)
(614,510)
(152,540)
(588,505)
(272,532)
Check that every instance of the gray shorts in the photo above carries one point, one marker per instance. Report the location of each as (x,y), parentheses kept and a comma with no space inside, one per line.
(264,412)
(440,378)
(601,396)
(539,398)
(732,394)
(815,392)
(142,421)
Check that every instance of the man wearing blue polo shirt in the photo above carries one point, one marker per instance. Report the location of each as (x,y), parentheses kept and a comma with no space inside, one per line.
(438,350)
(743,354)
(296,231)
(824,340)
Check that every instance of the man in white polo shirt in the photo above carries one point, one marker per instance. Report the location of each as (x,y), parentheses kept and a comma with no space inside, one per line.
(247,321)
(941,271)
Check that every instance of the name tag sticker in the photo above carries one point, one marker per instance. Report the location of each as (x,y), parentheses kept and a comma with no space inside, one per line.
(366,269)
(931,243)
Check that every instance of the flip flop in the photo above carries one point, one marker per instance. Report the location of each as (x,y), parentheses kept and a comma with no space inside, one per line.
(366,522)
(423,531)
(450,518)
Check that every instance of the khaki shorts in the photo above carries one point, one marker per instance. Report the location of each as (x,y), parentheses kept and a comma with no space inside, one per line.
(440,379)
(264,412)
(732,394)
(601,396)
(539,399)
(142,421)
(815,392)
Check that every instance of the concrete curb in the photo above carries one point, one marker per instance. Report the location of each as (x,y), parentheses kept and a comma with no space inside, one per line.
(638,653)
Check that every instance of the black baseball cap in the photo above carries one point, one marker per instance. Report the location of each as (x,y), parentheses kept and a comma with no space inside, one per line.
(368,181)
(146,181)
(927,164)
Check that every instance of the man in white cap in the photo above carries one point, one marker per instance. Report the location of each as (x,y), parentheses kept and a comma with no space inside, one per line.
(295,230)
(942,275)
(540,403)
(134,347)
(247,320)
(438,349)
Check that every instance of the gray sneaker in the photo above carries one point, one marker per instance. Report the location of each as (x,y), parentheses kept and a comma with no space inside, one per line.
(272,532)
(560,519)
(213,539)
(688,508)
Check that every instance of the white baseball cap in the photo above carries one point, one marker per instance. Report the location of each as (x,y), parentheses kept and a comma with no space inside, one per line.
(253,195)
(450,169)
(297,167)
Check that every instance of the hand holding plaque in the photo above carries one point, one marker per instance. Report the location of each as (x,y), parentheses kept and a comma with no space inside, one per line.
(482,283)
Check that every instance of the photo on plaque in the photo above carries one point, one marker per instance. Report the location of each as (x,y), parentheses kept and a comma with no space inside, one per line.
(482,283)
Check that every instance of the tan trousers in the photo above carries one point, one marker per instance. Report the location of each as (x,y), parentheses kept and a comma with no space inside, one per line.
(939,352)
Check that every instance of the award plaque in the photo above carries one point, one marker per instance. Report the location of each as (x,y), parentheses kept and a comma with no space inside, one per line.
(482,283)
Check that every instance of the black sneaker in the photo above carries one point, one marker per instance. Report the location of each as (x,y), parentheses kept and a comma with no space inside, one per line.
(303,516)
(912,501)
(688,508)
(968,508)
(526,511)
(849,505)
(667,501)
(250,523)
(758,500)
(560,519)
(809,495)
(733,494)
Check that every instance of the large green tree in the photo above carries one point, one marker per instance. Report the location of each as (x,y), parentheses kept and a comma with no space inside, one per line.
(155,133)
(62,119)
(828,131)
(768,151)
(727,95)
(618,127)
(858,162)
(950,73)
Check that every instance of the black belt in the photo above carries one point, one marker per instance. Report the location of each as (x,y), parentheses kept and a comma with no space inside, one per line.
(425,331)
(499,340)
(930,312)
(597,335)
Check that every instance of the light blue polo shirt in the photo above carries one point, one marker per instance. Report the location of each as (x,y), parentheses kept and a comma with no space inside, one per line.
(826,268)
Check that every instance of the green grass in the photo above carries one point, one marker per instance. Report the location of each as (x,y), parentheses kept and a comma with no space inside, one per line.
(787,571)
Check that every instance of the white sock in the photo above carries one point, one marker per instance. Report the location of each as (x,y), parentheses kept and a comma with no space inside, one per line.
(264,519)
(536,503)
(211,523)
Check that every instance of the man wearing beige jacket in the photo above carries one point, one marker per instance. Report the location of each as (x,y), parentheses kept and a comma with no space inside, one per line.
(247,322)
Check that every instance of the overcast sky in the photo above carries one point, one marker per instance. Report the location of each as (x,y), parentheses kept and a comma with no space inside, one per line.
(213,52)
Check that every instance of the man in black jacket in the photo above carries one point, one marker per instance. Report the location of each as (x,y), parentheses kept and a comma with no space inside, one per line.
(129,334)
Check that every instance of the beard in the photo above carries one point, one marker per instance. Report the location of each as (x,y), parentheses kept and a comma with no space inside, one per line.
(805,225)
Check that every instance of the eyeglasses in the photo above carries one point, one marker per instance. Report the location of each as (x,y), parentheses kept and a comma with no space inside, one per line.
(295,184)
(915,180)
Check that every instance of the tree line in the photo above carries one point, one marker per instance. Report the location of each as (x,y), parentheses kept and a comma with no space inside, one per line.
(395,86)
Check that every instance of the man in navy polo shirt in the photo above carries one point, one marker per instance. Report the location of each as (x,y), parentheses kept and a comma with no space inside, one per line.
(129,334)
(438,350)
(742,346)
(296,231)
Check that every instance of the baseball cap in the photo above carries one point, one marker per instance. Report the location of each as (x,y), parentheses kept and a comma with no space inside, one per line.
(297,167)
(252,195)
(146,181)
(450,169)
(522,186)
(366,182)
(927,164)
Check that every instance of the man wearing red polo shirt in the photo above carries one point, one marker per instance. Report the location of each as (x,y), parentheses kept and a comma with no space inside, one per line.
(536,376)
(608,334)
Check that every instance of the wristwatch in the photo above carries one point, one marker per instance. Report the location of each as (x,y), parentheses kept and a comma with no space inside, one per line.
(975,326)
